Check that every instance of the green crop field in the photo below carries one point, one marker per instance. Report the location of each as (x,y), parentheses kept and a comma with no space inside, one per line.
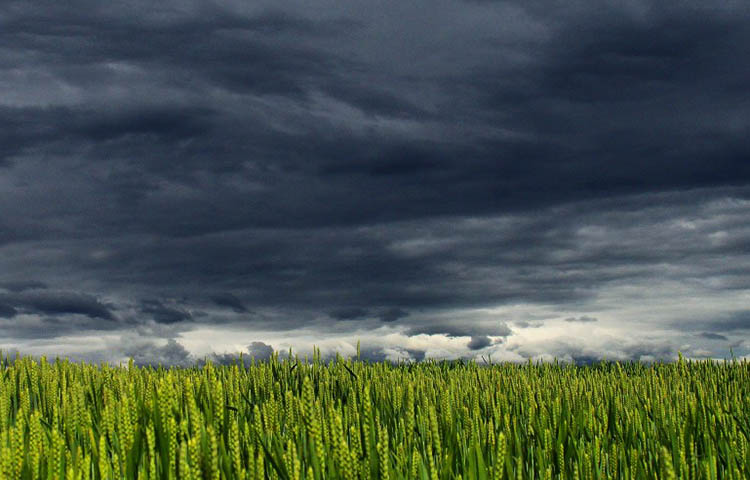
(347,419)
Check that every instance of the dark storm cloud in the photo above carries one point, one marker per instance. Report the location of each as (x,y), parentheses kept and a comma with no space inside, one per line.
(164,313)
(375,355)
(446,174)
(351,313)
(341,165)
(713,336)
(236,51)
(21,285)
(392,314)
(58,303)
(375,101)
(260,351)
(478,343)
(733,322)
(50,327)
(150,354)
(229,301)
(416,354)
(6,311)
(160,123)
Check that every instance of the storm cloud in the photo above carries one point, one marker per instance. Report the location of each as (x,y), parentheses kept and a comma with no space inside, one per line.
(478,343)
(230,301)
(6,311)
(172,353)
(428,177)
(56,303)
(164,313)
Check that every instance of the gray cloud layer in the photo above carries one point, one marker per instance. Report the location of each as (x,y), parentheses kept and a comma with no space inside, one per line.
(277,167)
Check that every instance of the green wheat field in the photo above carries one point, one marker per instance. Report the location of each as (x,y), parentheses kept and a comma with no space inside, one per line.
(348,419)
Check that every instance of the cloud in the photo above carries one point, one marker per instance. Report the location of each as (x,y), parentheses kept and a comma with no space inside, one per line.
(145,350)
(230,359)
(738,320)
(582,319)
(58,303)
(416,354)
(349,313)
(313,167)
(6,311)
(713,336)
(392,314)
(474,329)
(528,324)
(170,354)
(260,351)
(374,355)
(391,354)
(230,301)
(582,351)
(734,321)
(21,285)
(163,313)
(478,343)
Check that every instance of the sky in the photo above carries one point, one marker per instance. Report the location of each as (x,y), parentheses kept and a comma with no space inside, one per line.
(442,179)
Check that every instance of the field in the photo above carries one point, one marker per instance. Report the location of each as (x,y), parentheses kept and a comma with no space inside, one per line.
(292,419)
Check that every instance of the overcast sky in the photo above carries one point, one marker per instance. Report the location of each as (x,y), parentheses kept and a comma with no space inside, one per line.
(438,179)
